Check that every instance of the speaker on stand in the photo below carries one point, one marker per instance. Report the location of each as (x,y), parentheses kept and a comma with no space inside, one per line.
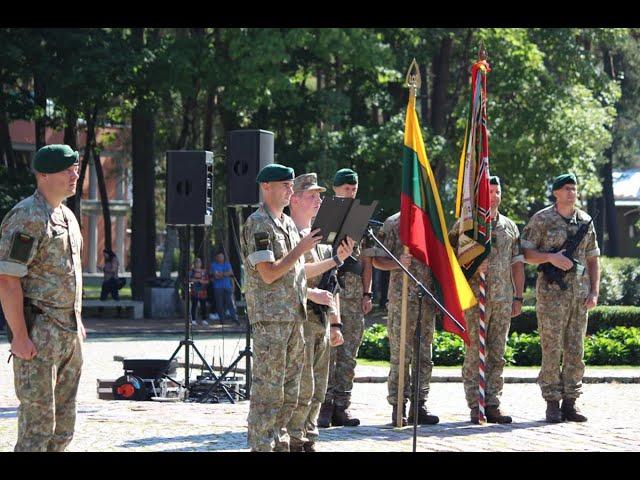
(189,202)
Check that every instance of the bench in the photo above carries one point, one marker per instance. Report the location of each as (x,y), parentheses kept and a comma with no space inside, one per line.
(136,305)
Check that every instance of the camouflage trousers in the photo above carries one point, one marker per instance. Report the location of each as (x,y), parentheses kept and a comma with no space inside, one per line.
(562,323)
(46,387)
(342,366)
(497,324)
(278,359)
(303,425)
(427,327)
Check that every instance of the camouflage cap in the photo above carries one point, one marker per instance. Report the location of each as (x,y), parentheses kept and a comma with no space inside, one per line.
(305,182)
(54,158)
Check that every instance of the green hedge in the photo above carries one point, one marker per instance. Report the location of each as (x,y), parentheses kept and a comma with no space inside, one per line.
(616,346)
(600,318)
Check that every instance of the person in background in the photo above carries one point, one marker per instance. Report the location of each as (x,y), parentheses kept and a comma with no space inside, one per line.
(198,279)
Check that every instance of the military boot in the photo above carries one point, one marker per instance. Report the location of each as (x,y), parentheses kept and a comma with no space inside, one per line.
(554,415)
(394,415)
(570,412)
(342,418)
(474,415)
(309,446)
(494,415)
(326,412)
(296,445)
(424,417)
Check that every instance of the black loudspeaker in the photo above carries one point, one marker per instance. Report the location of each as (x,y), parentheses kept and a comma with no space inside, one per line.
(249,151)
(189,187)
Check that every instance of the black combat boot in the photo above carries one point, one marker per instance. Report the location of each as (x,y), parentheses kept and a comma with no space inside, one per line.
(342,418)
(326,412)
(494,415)
(309,446)
(296,445)
(570,412)
(474,415)
(554,415)
(424,417)
(394,415)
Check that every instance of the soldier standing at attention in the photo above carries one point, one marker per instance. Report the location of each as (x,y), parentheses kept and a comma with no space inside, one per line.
(41,295)
(276,293)
(389,235)
(561,307)
(355,303)
(504,269)
(320,331)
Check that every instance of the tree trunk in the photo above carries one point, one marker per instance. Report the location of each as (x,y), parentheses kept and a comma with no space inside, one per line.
(104,200)
(441,76)
(611,247)
(5,142)
(210,107)
(40,100)
(170,244)
(143,231)
(71,129)
(74,203)
(143,217)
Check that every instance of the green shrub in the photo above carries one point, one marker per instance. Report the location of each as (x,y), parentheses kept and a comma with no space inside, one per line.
(616,346)
(447,349)
(526,348)
(375,343)
(600,318)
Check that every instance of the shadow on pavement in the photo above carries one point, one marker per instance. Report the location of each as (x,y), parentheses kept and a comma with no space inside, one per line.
(206,442)
(8,412)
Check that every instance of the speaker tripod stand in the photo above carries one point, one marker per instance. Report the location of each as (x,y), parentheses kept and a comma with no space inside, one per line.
(188,342)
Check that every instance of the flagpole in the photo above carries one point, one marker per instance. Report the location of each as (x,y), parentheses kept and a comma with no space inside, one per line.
(403,340)
(482,301)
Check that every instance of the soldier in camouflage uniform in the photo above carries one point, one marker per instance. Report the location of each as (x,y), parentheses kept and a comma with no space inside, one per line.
(355,303)
(319,333)
(504,271)
(562,314)
(389,235)
(41,294)
(276,294)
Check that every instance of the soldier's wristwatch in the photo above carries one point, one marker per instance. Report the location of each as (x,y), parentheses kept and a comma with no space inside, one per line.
(519,299)
(337,260)
(367,294)
(337,325)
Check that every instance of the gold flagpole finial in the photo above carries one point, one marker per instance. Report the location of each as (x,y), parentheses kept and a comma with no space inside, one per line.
(413,80)
(482,52)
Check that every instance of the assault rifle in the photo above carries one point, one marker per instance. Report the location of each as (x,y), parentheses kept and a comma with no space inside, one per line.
(556,275)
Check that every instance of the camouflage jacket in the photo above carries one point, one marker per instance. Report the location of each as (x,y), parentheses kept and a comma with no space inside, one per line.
(317,254)
(267,239)
(505,251)
(42,246)
(389,235)
(547,231)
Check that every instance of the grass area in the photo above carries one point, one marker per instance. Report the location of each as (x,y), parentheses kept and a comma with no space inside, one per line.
(93,292)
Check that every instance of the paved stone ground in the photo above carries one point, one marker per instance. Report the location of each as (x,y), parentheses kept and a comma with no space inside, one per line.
(158,426)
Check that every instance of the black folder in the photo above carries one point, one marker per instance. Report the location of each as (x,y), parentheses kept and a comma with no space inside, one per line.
(341,217)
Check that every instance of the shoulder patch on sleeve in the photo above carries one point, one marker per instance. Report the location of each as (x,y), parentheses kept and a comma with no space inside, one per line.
(262,241)
(21,246)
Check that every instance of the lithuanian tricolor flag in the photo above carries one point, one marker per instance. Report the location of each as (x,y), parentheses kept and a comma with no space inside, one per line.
(423,229)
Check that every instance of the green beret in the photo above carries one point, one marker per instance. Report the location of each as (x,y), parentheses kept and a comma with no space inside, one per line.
(494,180)
(562,180)
(345,175)
(275,173)
(54,158)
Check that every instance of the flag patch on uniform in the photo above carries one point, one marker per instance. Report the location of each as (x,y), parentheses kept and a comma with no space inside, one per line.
(21,246)
(262,241)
